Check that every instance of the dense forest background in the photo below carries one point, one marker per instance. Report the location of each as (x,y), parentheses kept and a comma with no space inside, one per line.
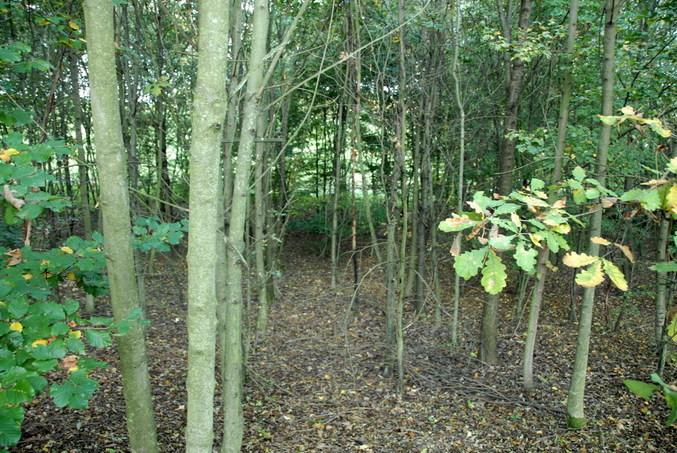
(529,138)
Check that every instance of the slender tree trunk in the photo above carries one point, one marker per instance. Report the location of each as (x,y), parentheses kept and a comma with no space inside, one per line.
(338,150)
(401,143)
(575,401)
(116,222)
(537,296)
(226,192)
(455,71)
(83,171)
(209,110)
(662,286)
(259,226)
(662,296)
(232,361)
(489,329)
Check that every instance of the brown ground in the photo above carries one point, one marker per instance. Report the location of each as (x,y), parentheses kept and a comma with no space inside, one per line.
(315,386)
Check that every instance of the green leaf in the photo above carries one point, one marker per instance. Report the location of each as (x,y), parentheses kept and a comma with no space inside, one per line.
(537,184)
(11,419)
(71,306)
(75,391)
(502,242)
(100,321)
(75,345)
(671,400)
(615,275)
(526,258)
(468,264)
(672,165)
(506,208)
(21,392)
(98,338)
(18,307)
(641,389)
(580,196)
(650,199)
(591,193)
(60,328)
(493,274)
(657,379)
(579,174)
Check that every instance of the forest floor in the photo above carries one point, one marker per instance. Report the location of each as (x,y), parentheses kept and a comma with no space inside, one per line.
(315,381)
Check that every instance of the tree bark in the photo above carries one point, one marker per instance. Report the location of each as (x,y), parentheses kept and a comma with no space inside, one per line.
(542,270)
(489,330)
(209,109)
(575,401)
(116,222)
(232,358)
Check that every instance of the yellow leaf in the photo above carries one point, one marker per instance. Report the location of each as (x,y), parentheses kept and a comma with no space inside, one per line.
(626,251)
(592,276)
(672,326)
(27,276)
(559,204)
(562,228)
(535,240)
(573,259)
(516,219)
(615,275)
(36,343)
(670,204)
(599,240)
(70,370)
(654,182)
(628,111)
(16,326)
(608,202)
(73,25)
(6,154)
(66,249)
(70,276)
(75,334)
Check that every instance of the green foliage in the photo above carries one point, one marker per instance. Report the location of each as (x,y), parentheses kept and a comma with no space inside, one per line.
(151,233)
(531,220)
(39,335)
(646,391)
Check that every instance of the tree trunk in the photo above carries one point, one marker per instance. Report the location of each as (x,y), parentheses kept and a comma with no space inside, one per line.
(232,360)
(339,143)
(116,222)
(537,296)
(83,171)
(575,401)
(209,109)
(489,332)
(259,227)
(663,285)
(455,72)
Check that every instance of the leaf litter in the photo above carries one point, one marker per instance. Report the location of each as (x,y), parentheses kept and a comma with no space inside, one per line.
(315,382)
